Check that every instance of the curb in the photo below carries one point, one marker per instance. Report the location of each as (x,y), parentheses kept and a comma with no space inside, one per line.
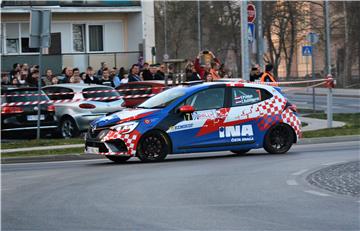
(67,157)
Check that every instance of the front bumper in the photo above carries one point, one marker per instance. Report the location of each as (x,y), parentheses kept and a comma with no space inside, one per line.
(109,142)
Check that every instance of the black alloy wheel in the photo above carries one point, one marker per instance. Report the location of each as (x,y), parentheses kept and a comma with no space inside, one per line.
(153,146)
(118,159)
(68,128)
(279,139)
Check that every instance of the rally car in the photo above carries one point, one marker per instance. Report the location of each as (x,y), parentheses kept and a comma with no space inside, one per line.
(201,118)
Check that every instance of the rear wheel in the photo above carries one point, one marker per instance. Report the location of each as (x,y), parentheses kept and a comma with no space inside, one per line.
(153,146)
(240,152)
(68,128)
(279,139)
(118,159)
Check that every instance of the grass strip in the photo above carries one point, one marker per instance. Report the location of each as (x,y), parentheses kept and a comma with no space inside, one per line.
(44,152)
(352,126)
(39,143)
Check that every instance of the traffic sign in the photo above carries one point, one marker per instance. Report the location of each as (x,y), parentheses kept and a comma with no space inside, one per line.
(166,56)
(251,32)
(40,28)
(251,10)
(307,50)
(312,37)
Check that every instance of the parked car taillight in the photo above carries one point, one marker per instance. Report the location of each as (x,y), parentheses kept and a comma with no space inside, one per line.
(11,110)
(51,108)
(87,106)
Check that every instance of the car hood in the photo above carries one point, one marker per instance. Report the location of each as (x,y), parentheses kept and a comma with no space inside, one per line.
(125,115)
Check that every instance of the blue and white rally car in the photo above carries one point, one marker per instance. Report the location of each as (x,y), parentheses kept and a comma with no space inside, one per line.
(200,118)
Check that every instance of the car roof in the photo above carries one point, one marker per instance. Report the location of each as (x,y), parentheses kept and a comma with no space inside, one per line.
(77,86)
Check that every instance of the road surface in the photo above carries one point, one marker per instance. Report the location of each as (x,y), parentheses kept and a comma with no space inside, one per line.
(217,191)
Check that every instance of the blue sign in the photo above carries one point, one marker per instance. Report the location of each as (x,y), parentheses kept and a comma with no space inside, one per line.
(251,32)
(307,50)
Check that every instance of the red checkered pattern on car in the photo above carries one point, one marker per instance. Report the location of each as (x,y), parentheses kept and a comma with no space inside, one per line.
(272,106)
(130,140)
(289,118)
(266,121)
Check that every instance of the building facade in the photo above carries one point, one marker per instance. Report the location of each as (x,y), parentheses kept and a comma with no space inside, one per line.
(83,33)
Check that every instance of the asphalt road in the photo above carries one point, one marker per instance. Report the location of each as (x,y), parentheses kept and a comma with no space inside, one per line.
(217,191)
(340,104)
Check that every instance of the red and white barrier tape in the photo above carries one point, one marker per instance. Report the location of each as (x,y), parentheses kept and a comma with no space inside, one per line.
(291,82)
(86,92)
(75,100)
(302,88)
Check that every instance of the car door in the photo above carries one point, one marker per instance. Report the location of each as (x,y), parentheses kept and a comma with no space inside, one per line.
(199,130)
(241,124)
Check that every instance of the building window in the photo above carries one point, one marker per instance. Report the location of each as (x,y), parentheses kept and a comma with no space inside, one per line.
(25,46)
(79,37)
(96,38)
(12,38)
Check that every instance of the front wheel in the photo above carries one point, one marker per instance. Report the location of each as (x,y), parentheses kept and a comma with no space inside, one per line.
(279,139)
(153,146)
(118,159)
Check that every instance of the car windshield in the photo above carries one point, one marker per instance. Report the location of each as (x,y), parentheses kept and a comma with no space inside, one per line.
(23,96)
(164,98)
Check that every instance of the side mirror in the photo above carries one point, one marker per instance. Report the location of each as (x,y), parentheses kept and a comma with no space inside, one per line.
(186,109)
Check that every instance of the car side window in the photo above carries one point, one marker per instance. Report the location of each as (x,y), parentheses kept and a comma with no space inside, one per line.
(242,96)
(50,90)
(212,98)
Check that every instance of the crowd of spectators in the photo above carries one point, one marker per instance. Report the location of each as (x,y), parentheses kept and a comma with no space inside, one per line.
(210,70)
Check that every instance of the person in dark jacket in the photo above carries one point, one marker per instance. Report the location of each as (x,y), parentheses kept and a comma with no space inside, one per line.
(134,73)
(90,76)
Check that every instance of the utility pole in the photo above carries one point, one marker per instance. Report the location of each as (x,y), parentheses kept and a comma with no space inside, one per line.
(259,34)
(199,26)
(165,29)
(328,61)
(244,41)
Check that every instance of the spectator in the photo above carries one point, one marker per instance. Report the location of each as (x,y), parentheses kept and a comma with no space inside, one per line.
(125,79)
(83,76)
(114,78)
(192,75)
(134,73)
(103,66)
(105,78)
(208,77)
(268,76)
(215,70)
(160,74)
(76,76)
(23,76)
(255,73)
(207,67)
(5,80)
(33,80)
(15,82)
(54,80)
(122,72)
(146,72)
(90,76)
(67,73)
(16,68)
(48,76)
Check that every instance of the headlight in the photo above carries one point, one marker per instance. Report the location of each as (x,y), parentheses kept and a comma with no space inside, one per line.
(125,127)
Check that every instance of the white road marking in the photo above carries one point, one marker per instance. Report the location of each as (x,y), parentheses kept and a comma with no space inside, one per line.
(291,182)
(298,173)
(317,193)
(332,163)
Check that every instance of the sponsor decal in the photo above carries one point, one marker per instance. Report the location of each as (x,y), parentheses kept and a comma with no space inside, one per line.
(237,133)
(201,115)
(184,126)
(246,99)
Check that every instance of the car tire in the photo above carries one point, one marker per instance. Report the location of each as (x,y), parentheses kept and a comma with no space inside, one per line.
(240,152)
(153,146)
(68,128)
(279,139)
(118,159)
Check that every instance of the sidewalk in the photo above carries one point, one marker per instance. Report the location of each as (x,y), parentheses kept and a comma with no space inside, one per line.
(317,124)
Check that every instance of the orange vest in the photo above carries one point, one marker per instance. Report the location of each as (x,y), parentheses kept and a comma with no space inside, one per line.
(267,74)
